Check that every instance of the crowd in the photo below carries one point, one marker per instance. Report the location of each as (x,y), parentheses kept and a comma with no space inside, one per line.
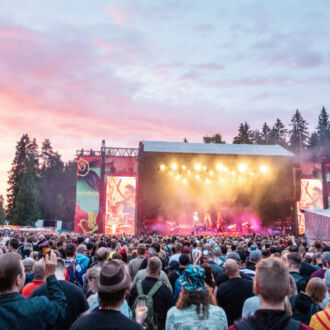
(68,281)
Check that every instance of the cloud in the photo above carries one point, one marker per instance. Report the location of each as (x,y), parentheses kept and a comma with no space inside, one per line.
(120,16)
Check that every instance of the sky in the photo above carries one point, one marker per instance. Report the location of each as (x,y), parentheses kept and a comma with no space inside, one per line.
(80,71)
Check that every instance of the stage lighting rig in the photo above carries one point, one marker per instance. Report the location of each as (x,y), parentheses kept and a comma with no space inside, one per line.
(162,167)
(242,167)
(198,167)
(174,166)
(263,169)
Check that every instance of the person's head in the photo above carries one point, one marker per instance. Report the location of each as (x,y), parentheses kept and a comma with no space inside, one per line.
(255,256)
(102,255)
(272,281)
(231,268)
(194,291)
(327,279)
(141,250)
(113,284)
(293,261)
(129,192)
(82,249)
(28,264)
(156,246)
(234,256)
(224,249)
(325,257)
(184,260)
(209,278)
(316,289)
(12,274)
(92,276)
(154,267)
(39,270)
(13,244)
(178,248)
(71,250)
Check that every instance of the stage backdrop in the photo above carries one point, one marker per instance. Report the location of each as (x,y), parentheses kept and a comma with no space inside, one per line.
(311,199)
(87,195)
(120,205)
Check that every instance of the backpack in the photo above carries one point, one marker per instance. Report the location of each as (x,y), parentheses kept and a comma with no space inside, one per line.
(150,322)
(70,273)
(246,324)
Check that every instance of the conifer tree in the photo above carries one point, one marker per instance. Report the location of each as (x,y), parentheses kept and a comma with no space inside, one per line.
(245,135)
(299,133)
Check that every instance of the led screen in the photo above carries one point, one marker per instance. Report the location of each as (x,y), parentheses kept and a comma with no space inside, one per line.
(120,205)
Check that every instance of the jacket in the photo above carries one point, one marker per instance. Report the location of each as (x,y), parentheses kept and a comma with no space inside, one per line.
(18,312)
(321,320)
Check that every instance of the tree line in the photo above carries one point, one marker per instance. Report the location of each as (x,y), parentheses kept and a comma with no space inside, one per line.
(40,185)
(295,138)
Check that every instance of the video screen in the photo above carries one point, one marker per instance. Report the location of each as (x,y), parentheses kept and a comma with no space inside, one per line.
(311,199)
(120,205)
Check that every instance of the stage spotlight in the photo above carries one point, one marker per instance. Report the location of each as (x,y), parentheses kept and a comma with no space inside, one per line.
(263,169)
(204,168)
(211,173)
(197,177)
(207,181)
(233,172)
(174,166)
(188,172)
(219,167)
(184,167)
(177,176)
(184,180)
(251,173)
(162,167)
(198,167)
(242,167)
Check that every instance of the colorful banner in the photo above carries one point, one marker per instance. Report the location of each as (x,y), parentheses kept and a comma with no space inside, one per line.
(311,199)
(88,195)
(120,205)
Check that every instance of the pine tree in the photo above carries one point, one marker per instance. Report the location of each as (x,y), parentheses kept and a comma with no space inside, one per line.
(257,137)
(216,138)
(2,212)
(323,128)
(24,148)
(299,133)
(278,134)
(50,182)
(26,210)
(244,135)
(265,134)
(314,141)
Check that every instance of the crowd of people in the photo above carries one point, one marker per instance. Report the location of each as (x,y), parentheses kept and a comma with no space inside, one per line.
(71,281)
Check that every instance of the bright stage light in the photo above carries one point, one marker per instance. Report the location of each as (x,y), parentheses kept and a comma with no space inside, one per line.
(242,167)
(263,169)
(188,172)
(211,173)
(219,167)
(198,167)
(184,167)
(204,168)
(233,172)
(197,177)
(184,180)
(207,181)
(162,167)
(251,173)
(177,176)
(174,166)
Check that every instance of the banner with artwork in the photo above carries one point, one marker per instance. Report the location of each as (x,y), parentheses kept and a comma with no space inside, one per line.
(311,199)
(87,194)
(120,205)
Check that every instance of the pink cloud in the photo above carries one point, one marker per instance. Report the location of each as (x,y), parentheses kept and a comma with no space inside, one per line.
(119,16)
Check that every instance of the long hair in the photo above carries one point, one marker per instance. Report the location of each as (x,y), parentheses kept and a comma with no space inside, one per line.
(202,300)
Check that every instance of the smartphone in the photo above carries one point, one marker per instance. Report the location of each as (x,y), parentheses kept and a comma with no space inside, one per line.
(44,247)
(205,252)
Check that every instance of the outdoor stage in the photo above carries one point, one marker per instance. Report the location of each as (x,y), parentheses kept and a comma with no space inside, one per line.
(185,188)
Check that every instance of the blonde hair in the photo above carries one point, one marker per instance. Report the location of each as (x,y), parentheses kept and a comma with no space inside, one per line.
(272,279)
(316,289)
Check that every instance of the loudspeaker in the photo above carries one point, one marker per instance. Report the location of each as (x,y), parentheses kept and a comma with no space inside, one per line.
(297,174)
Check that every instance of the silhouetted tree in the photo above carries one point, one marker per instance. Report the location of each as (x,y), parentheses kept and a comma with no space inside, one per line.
(278,134)
(323,128)
(265,134)
(245,135)
(299,133)
(216,138)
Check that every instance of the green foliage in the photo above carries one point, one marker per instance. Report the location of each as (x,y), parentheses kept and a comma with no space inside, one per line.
(24,149)
(278,134)
(27,209)
(216,138)
(299,133)
(245,135)
(2,212)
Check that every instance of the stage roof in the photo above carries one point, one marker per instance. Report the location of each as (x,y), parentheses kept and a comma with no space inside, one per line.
(219,149)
